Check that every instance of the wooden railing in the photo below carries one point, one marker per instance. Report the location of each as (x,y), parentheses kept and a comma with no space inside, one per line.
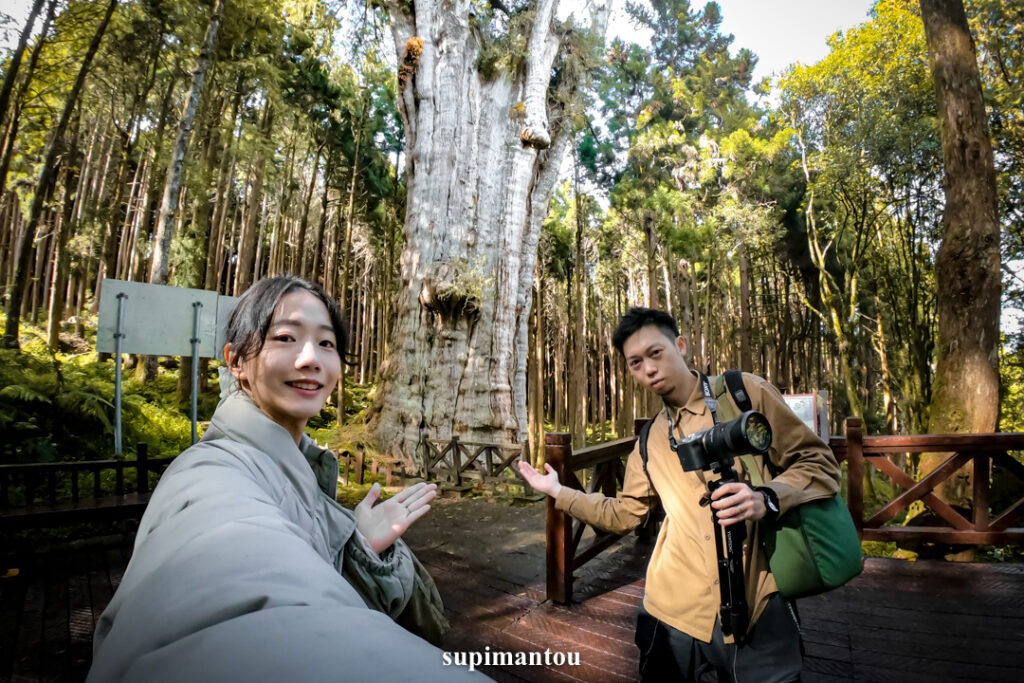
(57,493)
(977,451)
(450,460)
(984,526)
(564,534)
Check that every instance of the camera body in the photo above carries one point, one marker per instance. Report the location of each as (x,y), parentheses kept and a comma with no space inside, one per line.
(715,448)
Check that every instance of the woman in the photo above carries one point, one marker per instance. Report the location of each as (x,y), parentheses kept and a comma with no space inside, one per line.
(245,568)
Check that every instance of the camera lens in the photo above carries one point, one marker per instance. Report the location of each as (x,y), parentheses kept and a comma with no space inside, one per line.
(757,432)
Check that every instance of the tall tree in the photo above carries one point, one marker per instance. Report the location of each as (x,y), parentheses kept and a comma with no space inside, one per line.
(172,184)
(965,397)
(11,73)
(44,186)
(485,96)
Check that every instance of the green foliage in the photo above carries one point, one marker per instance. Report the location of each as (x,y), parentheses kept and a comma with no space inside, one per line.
(55,407)
(879,548)
(865,120)
(1011,387)
(503,38)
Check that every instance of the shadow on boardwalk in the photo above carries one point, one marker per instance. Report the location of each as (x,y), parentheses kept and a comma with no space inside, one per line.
(906,622)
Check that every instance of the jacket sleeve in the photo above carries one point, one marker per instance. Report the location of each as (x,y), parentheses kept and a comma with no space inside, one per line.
(385,581)
(807,469)
(620,514)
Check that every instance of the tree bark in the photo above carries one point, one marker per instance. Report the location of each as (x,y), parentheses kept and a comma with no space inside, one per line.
(298,259)
(253,212)
(172,185)
(60,268)
(577,310)
(746,353)
(481,162)
(535,367)
(14,119)
(11,72)
(965,396)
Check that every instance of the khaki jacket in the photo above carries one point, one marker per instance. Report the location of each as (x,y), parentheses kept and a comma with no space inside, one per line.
(682,576)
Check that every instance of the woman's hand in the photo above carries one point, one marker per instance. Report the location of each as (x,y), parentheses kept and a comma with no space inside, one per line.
(382,523)
(545,483)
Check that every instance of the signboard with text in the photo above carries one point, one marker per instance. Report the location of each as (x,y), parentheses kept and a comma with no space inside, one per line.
(812,409)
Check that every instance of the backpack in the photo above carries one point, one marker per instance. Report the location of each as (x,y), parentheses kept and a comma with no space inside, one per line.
(812,548)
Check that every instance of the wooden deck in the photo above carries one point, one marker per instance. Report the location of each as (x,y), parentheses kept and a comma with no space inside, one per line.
(907,622)
(899,621)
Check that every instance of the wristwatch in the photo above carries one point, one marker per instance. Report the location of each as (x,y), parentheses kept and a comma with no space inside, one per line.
(771,502)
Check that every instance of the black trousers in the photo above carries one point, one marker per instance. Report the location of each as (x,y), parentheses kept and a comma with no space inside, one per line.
(772,653)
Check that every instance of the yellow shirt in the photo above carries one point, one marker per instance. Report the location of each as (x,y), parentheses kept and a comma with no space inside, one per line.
(682,576)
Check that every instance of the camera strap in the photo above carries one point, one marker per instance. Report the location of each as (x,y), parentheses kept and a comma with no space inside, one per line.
(709,401)
(709,396)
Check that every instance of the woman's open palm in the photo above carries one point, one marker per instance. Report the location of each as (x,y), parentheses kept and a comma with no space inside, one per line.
(383,522)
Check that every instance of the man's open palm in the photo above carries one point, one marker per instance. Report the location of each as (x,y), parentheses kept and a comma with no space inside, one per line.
(545,483)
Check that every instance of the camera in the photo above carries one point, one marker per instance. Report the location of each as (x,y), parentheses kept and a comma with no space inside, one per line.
(715,447)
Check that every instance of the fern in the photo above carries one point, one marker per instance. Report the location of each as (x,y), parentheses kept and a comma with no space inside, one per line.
(88,405)
(24,394)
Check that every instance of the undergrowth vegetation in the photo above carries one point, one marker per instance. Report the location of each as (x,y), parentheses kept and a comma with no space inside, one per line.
(59,406)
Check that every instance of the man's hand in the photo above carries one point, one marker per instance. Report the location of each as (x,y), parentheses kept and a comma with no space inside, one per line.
(383,523)
(545,483)
(736,502)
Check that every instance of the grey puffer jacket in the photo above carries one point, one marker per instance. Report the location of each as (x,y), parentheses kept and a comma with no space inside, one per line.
(238,573)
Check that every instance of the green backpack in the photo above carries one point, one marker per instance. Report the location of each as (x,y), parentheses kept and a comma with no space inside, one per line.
(812,548)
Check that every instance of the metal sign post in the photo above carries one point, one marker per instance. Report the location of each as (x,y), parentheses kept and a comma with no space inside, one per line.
(118,338)
(156,325)
(197,307)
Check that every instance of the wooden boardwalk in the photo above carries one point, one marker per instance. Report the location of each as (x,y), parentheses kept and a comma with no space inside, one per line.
(49,606)
(906,622)
(899,621)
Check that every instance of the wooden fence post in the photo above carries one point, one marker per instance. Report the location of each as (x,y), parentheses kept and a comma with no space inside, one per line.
(558,450)
(456,461)
(142,468)
(982,473)
(360,464)
(855,469)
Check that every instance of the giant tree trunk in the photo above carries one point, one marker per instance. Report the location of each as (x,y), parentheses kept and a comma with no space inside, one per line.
(965,396)
(481,162)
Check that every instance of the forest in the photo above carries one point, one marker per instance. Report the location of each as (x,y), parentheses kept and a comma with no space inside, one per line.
(487,186)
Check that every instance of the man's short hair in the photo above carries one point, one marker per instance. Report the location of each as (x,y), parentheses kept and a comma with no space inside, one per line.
(637,318)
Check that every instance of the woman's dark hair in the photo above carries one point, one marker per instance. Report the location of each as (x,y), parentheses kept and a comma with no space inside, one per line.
(636,318)
(249,322)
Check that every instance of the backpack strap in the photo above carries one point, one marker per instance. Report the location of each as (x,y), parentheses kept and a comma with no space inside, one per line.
(644,433)
(734,382)
(655,513)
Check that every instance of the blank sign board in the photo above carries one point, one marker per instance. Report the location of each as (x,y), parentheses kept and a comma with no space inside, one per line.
(158,320)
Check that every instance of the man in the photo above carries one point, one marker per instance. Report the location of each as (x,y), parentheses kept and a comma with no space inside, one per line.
(679,630)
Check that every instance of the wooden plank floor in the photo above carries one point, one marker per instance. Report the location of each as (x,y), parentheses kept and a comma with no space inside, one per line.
(49,606)
(899,621)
